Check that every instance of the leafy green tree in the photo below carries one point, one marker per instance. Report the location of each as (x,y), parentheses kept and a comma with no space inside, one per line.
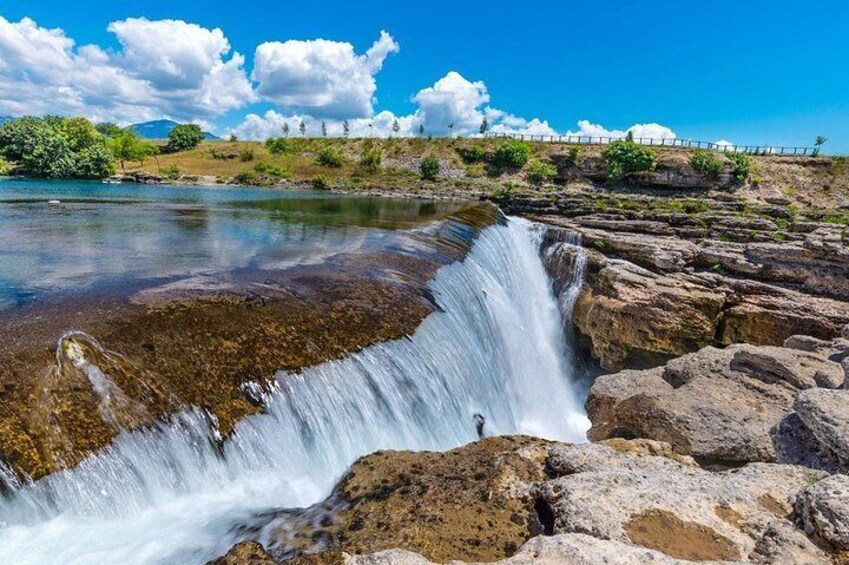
(107,129)
(396,127)
(323,129)
(184,137)
(286,129)
(346,128)
(303,128)
(55,147)
(421,130)
(484,126)
(127,146)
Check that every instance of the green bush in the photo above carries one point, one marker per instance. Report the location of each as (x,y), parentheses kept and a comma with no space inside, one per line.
(249,178)
(706,163)
(320,183)
(541,172)
(477,153)
(512,154)
(504,193)
(573,156)
(624,157)
(429,168)
(171,171)
(184,137)
(742,165)
(278,145)
(246,155)
(371,159)
(329,157)
(5,169)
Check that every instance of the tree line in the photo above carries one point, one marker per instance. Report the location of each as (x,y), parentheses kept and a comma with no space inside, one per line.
(59,147)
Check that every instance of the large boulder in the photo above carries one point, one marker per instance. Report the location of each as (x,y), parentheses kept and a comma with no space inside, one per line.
(682,511)
(823,511)
(826,414)
(722,406)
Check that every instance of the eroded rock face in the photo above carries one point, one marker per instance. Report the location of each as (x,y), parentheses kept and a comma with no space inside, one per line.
(825,413)
(626,502)
(574,549)
(659,286)
(470,503)
(726,406)
(682,511)
(823,511)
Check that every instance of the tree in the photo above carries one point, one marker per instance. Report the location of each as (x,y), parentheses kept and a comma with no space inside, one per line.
(233,138)
(286,129)
(346,128)
(184,137)
(55,147)
(421,129)
(396,127)
(819,142)
(323,129)
(451,129)
(127,146)
(303,128)
(107,129)
(484,126)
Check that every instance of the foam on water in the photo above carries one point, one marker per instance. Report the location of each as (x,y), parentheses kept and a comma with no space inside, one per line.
(175,494)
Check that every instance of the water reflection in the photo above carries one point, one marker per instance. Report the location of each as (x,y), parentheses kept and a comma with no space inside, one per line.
(108,234)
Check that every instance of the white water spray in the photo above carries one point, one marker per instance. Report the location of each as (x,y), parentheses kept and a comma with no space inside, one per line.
(171,495)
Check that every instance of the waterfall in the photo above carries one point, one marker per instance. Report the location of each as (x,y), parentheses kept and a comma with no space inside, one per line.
(174,493)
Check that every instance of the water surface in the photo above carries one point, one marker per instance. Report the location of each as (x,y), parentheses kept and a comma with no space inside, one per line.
(63,236)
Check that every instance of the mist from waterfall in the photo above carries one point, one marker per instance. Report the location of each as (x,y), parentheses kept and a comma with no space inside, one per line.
(177,494)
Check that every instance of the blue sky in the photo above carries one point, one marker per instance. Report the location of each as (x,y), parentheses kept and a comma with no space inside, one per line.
(751,72)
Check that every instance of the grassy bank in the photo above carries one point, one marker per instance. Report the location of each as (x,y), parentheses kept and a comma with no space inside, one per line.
(475,167)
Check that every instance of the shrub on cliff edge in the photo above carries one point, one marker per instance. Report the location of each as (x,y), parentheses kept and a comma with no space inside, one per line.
(624,157)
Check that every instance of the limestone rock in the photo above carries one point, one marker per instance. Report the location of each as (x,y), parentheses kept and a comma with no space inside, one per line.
(633,316)
(684,512)
(826,414)
(574,549)
(823,510)
(245,553)
(720,406)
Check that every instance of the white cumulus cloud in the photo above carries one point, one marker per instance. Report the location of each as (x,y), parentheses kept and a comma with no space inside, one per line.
(451,101)
(166,68)
(653,131)
(321,77)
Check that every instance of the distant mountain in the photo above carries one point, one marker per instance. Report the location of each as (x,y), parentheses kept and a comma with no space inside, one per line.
(159,129)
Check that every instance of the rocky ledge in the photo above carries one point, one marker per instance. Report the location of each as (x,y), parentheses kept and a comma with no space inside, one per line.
(77,370)
(522,500)
(667,276)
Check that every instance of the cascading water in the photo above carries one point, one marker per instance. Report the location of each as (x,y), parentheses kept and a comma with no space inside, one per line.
(175,494)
